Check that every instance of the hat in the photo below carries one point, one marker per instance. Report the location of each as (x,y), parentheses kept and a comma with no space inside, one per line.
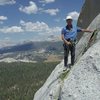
(69,17)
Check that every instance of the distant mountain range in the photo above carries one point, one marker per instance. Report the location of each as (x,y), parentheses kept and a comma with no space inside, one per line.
(35,46)
(34,51)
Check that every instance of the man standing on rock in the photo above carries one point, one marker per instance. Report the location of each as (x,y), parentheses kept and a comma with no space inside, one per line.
(69,36)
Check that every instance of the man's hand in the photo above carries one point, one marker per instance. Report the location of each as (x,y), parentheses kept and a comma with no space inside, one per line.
(68,43)
(91,31)
(65,41)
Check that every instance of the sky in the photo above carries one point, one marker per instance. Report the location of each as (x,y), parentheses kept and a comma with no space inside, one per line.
(35,20)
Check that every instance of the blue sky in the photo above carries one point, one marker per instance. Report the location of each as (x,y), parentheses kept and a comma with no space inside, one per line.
(31,20)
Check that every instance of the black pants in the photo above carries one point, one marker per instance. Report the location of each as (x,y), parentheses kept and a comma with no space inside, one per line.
(68,48)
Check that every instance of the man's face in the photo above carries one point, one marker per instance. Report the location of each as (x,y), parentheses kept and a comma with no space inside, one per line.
(69,21)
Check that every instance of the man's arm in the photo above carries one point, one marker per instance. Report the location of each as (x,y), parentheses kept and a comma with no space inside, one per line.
(65,41)
(86,30)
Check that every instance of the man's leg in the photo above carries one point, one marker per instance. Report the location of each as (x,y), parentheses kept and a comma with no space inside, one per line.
(72,49)
(66,53)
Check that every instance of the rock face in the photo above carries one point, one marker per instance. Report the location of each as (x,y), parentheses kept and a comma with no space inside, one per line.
(83,81)
(90,10)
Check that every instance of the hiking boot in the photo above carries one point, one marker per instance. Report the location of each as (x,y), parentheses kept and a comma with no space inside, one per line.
(70,65)
(66,68)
